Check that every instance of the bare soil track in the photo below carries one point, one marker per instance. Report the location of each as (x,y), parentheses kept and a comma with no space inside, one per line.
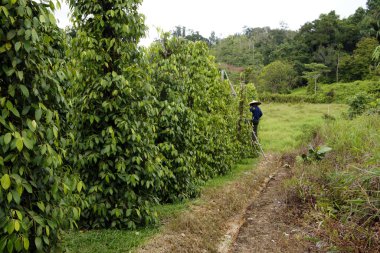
(246,215)
(270,226)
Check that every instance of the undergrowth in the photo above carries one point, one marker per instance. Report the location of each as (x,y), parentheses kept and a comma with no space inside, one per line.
(343,189)
(327,93)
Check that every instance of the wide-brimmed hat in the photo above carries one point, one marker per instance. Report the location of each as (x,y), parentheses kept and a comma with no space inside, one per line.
(254,102)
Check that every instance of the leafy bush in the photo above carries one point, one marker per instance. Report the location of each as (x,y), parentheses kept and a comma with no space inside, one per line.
(278,77)
(359,104)
(194,132)
(33,182)
(114,133)
(363,102)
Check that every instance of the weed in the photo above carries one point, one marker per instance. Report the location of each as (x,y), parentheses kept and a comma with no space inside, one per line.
(316,154)
(345,188)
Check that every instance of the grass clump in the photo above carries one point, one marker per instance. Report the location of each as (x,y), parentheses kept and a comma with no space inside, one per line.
(343,190)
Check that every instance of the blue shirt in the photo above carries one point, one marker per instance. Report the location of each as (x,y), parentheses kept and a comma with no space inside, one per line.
(256,113)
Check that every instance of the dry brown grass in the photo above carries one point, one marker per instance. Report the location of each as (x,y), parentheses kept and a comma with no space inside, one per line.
(202,227)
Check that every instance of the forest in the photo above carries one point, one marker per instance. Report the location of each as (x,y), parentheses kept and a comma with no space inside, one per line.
(96,131)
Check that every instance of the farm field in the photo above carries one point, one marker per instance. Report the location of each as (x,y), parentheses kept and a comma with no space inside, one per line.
(108,144)
(283,128)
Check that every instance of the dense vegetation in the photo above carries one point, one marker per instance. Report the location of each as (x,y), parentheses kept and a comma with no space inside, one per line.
(33,176)
(95,130)
(341,93)
(342,47)
(94,127)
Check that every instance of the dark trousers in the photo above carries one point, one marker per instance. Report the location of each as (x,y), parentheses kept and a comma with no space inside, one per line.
(255,126)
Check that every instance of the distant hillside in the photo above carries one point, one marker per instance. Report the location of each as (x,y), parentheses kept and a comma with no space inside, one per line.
(344,46)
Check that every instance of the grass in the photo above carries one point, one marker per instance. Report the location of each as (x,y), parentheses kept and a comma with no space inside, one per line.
(99,241)
(343,190)
(285,126)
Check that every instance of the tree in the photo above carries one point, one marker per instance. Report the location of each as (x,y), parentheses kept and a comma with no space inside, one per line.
(181,31)
(195,36)
(315,70)
(114,133)
(278,77)
(373,16)
(361,64)
(213,39)
(33,179)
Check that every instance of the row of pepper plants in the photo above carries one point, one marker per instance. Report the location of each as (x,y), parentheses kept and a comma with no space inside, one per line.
(95,130)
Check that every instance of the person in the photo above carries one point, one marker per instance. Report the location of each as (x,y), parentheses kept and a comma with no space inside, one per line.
(256,115)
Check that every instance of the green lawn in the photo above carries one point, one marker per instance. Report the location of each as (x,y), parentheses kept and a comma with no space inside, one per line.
(285,126)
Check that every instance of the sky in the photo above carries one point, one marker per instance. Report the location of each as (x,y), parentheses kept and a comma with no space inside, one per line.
(226,17)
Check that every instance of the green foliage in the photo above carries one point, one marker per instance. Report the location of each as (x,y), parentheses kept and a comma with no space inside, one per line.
(181,31)
(376,55)
(194,131)
(143,132)
(235,50)
(278,77)
(342,45)
(315,154)
(361,64)
(314,71)
(114,133)
(328,93)
(361,103)
(33,181)
(251,92)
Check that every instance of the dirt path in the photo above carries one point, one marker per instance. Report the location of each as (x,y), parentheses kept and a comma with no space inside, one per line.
(270,226)
(245,215)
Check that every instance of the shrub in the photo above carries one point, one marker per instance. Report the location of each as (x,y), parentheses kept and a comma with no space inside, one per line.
(359,104)
(194,132)
(278,77)
(33,182)
(114,147)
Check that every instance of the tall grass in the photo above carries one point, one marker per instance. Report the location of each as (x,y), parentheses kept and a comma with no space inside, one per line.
(345,187)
